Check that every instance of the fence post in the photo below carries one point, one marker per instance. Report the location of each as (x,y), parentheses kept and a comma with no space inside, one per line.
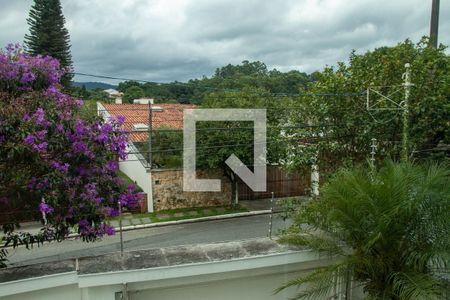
(236,193)
(315,176)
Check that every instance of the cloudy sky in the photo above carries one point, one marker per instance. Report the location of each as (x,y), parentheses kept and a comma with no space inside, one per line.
(167,40)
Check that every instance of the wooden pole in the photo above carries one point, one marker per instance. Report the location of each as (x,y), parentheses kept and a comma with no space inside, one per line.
(434,24)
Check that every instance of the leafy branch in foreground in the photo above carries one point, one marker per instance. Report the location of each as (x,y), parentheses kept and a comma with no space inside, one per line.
(388,230)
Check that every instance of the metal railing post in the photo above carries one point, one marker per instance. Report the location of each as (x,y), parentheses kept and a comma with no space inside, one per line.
(271,216)
(120,228)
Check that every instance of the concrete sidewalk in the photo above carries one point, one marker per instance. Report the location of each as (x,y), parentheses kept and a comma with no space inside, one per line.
(261,204)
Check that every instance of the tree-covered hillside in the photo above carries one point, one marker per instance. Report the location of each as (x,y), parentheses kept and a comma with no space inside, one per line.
(230,77)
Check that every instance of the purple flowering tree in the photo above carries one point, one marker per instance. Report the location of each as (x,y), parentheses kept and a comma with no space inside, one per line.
(63,164)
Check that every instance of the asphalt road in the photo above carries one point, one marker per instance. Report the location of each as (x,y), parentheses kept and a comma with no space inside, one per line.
(185,234)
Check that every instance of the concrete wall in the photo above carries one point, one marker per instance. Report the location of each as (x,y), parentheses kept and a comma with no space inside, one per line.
(255,287)
(135,169)
(248,278)
(68,292)
(168,190)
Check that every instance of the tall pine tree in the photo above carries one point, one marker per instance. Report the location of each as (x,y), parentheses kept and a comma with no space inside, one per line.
(48,36)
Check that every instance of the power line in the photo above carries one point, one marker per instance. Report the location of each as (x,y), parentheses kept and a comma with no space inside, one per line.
(362,93)
(235,145)
(111,77)
(119,109)
(250,128)
(300,126)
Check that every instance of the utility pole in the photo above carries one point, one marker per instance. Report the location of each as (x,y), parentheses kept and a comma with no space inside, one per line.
(434,24)
(405,134)
(149,154)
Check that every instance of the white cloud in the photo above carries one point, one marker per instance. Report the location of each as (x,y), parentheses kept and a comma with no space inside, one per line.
(164,40)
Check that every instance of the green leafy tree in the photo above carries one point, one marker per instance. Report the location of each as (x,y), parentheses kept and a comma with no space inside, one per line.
(48,35)
(125,85)
(133,92)
(230,77)
(338,98)
(80,92)
(99,95)
(239,135)
(388,230)
(167,147)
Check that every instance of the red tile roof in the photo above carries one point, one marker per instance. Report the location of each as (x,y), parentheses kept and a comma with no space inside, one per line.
(171,116)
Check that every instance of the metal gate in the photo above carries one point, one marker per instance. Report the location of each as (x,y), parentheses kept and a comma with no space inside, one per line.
(279,181)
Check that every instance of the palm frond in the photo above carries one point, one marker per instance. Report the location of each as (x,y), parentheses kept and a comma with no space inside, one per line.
(391,226)
(318,284)
(411,286)
(316,241)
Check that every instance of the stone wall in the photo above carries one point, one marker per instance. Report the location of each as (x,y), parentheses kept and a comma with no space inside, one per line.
(168,190)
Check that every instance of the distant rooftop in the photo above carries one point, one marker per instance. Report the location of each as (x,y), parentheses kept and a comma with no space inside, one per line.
(112,93)
(163,115)
(143,101)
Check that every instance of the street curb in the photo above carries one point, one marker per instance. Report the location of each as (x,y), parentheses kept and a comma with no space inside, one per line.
(196,220)
(178,222)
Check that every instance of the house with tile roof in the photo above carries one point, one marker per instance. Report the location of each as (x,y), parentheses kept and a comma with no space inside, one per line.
(162,184)
(137,117)
(136,126)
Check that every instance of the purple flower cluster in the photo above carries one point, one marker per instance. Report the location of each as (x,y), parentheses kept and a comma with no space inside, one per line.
(36,143)
(75,161)
(130,199)
(22,70)
(40,185)
(112,165)
(86,228)
(62,167)
(45,208)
